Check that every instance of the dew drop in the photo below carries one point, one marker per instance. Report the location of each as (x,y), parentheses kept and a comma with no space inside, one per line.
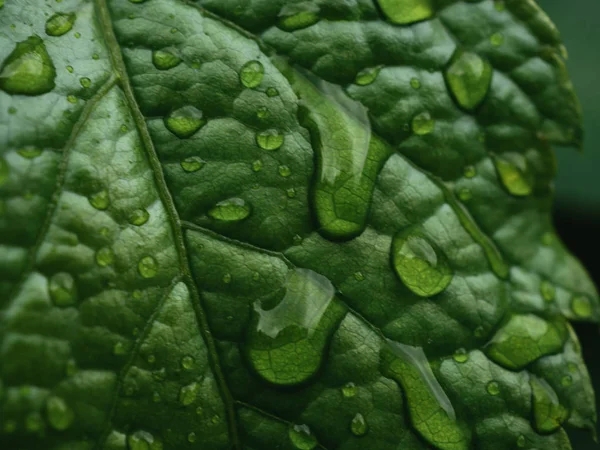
(148,267)
(514,175)
(297,16)
(60,415)
(85,82)
(359,276)
(100,200)
(28,70)
(422,267)
(252,74)
(406,11)
(521,441)
(165,60)
(349,390)
(139,217)
(227,278)
(230,210)
(469,77)
(257,165)
(59,24)
(367,76)
(262,112)
(159,375)
(70,69)
(470,172)
(465,194)
(151,359)
(105,257)
(423,124)
(460,356)
(187,362)
(566,381)
(185,122)
(581,306)
(301,437)
(187,394)
(119,349)
(493,388)
(285,171)
(358,426)
(71,99)
(192,164)
(269,139)
(63,291)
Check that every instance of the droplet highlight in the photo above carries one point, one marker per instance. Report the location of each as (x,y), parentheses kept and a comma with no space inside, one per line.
(100,200)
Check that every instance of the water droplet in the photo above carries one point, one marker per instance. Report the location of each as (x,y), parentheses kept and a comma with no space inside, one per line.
(62,289)
(367,76)
(191,437)
(192,164)
(406,11)
(423,124)
(142,440)
(272,92)
(230,210)
(59,24)
(100,200)
(465,194)
(28,70)
(227,278)
(257,165)
(497,39)
(139,217)
(252,74)
(358,276)
(148,267)
(572,367)
(165,60)
(215,419)
(95,56)
(291,192)
(119,349)
(285,171)
(349,390)
(581,306)
(60,416)
(514,175)
(548,239)
(301,437)
(70,69)
(566,381)
(262,112)
(415,83)
(71,99)
(105,257)
(422,267)
(499,5)
(493,388)
(547,290)
(469,77)
(12,110)
(470,172)
(358,426)
(185,122)
(297,16)
(256,276)
(187,394)
(460,356)
(187,362)
(270,139)
(85,82)
(286,344)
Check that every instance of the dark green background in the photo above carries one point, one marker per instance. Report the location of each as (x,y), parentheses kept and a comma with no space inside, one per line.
(577,214)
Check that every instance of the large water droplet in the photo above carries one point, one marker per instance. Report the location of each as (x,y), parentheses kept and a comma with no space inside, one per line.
(192,164)
(406,11)
(63,291)
(230,210)
(286,344)
(514,174)
(187,394)
(422,267)
(358,426)
(469,78)
(367,76)
(269,139)
(548,413)
(148,267)
(302,438)
(28,70)
(60,415)
(100,200)
(581,306)
(295,16)
(252,74)
(185,122)
(423,124)
(59,24)
(165,59)
(142,440)
(430,409)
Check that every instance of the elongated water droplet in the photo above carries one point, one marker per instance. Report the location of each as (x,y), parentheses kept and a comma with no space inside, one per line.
(423,124)
(187,394)
(548,413)
(269,139)
(252,74)
(100,200)
(60,415)
(165,59)
(349,390)
(28,70)
(406,11)
(295,16)
(421,266)
(28,153)
(302,438)
(192,164)
(142,440)
(514,174)
(59,24)
(63,291)
(139,217)
(358,426)
(230,210)
(185,122)
(286,344)
(148,267)
(469,77)
(105,257)
(367,76)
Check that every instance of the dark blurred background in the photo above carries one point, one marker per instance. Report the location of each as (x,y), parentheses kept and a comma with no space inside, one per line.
(577,210)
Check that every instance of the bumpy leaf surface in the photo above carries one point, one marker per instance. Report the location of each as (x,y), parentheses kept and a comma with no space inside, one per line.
(277,224)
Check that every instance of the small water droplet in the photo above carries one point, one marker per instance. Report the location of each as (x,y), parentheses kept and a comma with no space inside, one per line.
(521,441)
(272,92)
(581,306)
(465,194)
(230,210)
(406,11)
(105,257)
(423,124)
(60,415)
(257,165)
(151,359)
(470,172)
(358,276)
(358,426)
(71,99)
(119,349)
(262,112)
(514,175)
(460,356)
(95,56)
(547,290)
(296,16)
(28,70)
(566,381)
(270,139)
(59,24)
(499,5)
(349,390)
(191,437)
(493,388)
(422,267)
(165,60)
(139,217)
(215,419)
(187,394)
(27,153)
(187,362)
(85,82)
(497,39)
(469,77)
(62,289)
(148,267)
(77,35)
(227,278)
(185,122)
(252,74)
(70,69)
(256,276)
(367,76)
(548,239)
(285,171)
(100,200)
(302,438)
(192,164)
(159,375)
(291,192)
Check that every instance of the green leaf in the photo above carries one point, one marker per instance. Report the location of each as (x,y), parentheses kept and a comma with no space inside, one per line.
(259,224)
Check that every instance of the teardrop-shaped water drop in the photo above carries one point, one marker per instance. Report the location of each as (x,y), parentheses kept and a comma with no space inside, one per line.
(230,210)
(286,343)
(406,11)
(302,438)
(139,217)
(59,24)
(367,76)
(358,426)
(469,77)
(252,74)
(295,16)
(514,174)
(62,289)
(423,124)
(148,267)
(185,122)
(60,415)
(192,164)
(421,266)
(28,70)
(269,139)
(165,59)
